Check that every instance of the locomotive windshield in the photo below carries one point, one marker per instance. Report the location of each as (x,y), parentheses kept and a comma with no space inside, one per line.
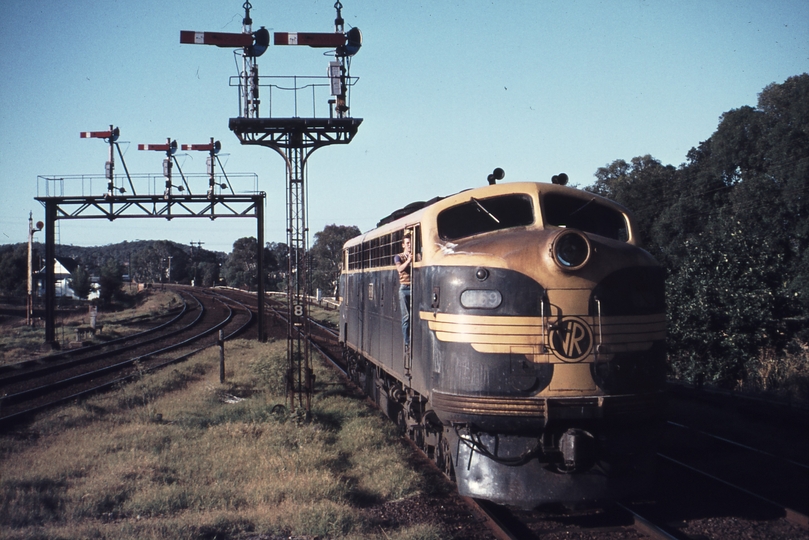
(485,215)
(585,215)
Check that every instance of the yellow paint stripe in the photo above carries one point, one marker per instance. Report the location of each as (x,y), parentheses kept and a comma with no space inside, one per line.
(632,338)
(453,318)
(485,329)
(478,319)
(489,338)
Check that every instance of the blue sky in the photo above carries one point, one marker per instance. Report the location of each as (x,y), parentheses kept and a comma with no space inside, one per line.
(447,91)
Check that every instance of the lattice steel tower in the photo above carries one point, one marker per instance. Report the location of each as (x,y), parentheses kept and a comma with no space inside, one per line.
(294,138)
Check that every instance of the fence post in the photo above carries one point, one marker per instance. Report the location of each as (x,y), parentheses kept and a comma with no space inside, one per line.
(221,356)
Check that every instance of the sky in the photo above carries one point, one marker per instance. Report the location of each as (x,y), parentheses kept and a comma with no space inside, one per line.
(447,90)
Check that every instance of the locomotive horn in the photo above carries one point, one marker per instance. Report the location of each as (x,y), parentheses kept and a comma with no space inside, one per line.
(560,179)
(497,174)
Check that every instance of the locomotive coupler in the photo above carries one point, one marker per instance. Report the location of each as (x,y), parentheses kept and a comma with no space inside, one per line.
(578,449)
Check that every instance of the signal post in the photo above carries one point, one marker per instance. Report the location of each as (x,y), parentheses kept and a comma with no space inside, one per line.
(294,138)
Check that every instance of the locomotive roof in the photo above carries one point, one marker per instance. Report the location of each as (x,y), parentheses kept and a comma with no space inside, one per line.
(413,212)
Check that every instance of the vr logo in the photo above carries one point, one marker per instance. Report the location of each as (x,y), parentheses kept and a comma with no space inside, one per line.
(571,340)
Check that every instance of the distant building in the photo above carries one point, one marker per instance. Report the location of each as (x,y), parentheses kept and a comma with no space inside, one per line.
(63,268)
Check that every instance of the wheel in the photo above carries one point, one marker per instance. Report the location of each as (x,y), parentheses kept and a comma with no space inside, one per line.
(443,458)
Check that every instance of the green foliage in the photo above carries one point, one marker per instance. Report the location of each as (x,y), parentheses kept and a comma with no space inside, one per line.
(110,280)
(731,225)
(241,268)
(723,304)
(277,266)
(14,269)
(326,256)
(80,283)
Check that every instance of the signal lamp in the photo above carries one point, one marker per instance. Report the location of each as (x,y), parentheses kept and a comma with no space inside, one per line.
(353,43)
(261,40)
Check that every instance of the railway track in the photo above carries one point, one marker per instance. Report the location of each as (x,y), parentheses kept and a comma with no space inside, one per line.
(35,385)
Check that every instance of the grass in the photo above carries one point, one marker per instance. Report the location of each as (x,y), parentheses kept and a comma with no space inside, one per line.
(178,455)
(328,317)
(19,342)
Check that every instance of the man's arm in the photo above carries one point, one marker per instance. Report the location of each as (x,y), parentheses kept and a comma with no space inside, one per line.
(401,262)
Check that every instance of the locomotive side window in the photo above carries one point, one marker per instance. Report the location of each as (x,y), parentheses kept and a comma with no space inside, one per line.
(354,257)
(485,215)
(585,215)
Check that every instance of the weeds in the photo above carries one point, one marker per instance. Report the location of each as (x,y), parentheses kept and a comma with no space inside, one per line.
(783,375)
(169,457)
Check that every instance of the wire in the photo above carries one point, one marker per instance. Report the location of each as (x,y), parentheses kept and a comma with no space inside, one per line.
(474,443)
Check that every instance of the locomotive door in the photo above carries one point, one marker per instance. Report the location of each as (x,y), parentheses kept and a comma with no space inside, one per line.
(415,289)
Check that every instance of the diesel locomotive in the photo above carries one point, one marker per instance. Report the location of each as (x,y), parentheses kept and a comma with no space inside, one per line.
(536,364)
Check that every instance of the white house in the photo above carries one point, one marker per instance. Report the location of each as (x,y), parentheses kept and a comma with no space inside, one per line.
(63,268)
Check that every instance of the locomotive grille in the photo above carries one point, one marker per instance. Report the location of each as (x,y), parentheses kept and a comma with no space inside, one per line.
(489,405)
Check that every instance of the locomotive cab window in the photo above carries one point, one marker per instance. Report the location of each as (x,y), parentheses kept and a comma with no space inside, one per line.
(485,215)
(585,215)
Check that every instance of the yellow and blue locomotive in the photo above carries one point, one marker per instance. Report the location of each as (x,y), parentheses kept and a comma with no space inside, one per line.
(536,363)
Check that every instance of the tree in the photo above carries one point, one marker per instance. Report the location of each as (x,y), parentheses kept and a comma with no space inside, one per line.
(644,186)
(110,281)
(277,266)
(241,268)
(14,270)
(724,305)
(326,256)
(731,227)
(208,274)
(80,283)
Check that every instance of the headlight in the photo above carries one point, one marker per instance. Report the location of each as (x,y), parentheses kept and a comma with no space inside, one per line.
(481,298)
(571,250)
